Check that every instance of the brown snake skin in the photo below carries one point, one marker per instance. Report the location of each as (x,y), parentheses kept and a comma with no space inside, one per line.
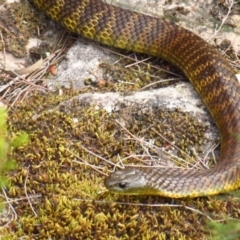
(209,72)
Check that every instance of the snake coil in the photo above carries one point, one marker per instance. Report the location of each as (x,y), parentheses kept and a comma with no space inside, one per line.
(209,72)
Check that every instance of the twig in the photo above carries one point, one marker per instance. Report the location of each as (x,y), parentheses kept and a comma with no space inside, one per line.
(223,21)
(149,205)
(14,216)
(25,190)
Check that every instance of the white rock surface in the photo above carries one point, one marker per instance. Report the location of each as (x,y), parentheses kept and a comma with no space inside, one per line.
(169,99)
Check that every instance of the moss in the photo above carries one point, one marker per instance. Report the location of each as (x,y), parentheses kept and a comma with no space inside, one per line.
(65,195)
(16,27)
(60,174)
(57,190)
(18,23)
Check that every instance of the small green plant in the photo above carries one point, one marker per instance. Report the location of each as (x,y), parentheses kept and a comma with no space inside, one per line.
(6,144)
(224,231)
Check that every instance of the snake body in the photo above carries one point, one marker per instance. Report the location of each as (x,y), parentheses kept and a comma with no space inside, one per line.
(209,72)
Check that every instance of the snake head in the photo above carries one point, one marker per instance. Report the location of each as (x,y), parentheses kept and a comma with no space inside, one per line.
(126,181)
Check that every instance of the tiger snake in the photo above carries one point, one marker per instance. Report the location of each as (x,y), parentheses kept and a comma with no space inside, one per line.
(208,71)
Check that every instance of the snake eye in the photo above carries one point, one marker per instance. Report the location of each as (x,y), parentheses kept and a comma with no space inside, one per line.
(122,185)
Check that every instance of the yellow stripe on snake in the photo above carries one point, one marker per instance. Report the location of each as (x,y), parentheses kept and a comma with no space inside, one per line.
(209,72)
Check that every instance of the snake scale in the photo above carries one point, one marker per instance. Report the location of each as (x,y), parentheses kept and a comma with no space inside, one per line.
(209,72)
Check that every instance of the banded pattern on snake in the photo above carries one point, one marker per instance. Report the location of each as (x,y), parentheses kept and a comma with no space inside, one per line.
(209,72)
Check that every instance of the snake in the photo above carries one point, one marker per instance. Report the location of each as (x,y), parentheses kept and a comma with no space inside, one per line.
(209,72)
